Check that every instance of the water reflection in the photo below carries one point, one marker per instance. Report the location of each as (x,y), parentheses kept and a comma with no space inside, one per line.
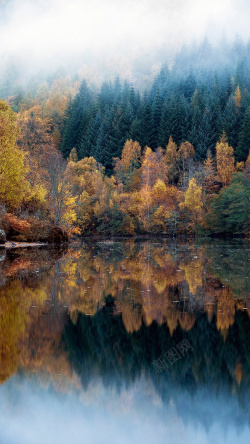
(91,321)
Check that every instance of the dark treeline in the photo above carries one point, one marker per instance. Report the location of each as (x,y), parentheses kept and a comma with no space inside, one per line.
(205,92)
(100,346)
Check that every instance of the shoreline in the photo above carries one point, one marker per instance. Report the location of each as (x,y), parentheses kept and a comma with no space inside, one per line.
(9,244)
(141,237)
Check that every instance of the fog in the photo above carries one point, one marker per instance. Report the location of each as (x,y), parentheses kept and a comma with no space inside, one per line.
(52,33)
(32,414)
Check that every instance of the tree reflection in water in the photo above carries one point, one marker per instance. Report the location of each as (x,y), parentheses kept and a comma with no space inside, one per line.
(108,310)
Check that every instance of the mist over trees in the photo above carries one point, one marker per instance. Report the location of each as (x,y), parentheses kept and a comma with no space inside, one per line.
(195,100)
(118,159)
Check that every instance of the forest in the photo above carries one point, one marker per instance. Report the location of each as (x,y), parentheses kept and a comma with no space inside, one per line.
(113,159)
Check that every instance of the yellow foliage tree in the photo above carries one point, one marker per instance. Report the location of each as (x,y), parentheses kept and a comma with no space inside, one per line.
(247,167)
(135,201)
(159,191)
(145,208)
(126,168)
(73,157)
(13,184)
(172,158)
(160,219)
(186,153)
(149,168)
(61,199)
(84,210)
(237,97)
(193,201)
(225,160)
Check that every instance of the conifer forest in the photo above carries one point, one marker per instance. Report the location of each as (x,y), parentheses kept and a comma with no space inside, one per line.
(114,158)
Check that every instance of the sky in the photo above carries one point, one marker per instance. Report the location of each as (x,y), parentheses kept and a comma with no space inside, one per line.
(54,32)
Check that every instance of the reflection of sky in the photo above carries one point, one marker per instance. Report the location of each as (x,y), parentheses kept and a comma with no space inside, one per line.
(33,415)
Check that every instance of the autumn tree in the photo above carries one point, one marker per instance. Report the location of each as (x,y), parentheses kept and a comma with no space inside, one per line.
(73,157)
(126,168)
(209,175)
(172,158)
(145,208)
(36,141)
(92,192)
(13,184)
(151,167)
(61,199)
(165,201)
(35,130)
(225,160)
(186,153)
(193,202)
(237,97)
(247,167)
(159,192)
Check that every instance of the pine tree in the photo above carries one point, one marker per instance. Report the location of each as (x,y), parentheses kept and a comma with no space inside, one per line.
(156,112)
(185,120)
(197,109)
(188,86)
(79,114)
(244,138)
(177,115)
(88,141)
(145,124)
(165,126)
(231,121)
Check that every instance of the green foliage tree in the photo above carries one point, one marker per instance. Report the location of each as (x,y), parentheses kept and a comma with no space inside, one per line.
(230,209)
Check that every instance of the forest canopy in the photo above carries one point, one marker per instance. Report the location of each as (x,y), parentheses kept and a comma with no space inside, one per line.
(172,159)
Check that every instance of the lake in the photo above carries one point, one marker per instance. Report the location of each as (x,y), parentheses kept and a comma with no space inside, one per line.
(126,342)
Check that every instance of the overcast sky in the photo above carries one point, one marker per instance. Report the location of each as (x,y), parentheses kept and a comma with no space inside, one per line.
(49,30)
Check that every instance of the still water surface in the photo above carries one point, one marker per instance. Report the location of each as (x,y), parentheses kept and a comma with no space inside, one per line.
(125,342)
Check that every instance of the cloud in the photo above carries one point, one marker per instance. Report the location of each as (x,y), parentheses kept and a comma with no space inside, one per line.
(56,32)
(59,25)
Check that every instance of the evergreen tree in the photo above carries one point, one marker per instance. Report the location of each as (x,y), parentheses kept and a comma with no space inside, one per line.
(156,112)
(79,114)
(165,126)
(244,138)
(197,109)
(88,142)
(188,86)
(230,122)
(145,124)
